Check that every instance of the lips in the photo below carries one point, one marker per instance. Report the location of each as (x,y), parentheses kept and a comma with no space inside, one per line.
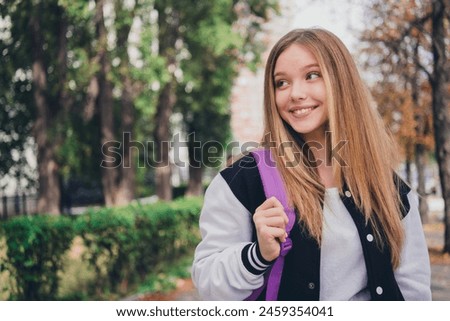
(301,111)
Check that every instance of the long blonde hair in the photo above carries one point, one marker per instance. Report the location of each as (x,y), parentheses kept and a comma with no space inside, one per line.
(369,152)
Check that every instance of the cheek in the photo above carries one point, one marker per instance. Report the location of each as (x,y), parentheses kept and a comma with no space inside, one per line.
(320,92)
(281,104)
(281,99)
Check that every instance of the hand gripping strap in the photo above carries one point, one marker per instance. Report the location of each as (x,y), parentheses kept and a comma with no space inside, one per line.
(273,186)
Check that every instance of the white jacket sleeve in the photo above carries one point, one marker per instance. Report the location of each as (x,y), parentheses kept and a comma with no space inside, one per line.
(414,273)
(218,270)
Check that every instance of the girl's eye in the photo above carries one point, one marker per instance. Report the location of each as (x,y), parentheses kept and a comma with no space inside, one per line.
(280,83)
(313,75)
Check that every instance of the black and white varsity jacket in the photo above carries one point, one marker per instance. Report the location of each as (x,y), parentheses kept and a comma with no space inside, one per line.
(228,265)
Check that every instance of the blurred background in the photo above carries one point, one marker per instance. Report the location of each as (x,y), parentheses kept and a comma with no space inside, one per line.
(112,109)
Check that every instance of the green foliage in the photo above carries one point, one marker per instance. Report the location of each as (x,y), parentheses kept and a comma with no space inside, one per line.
(166,231)
(15,96)
(119,247)
(213,37)
(109,238)
(124,244)
(35,252)
(219,35)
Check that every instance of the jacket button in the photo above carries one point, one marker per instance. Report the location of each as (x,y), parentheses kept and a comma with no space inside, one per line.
(379,290)
(348,194)
(369,237)
(311,285)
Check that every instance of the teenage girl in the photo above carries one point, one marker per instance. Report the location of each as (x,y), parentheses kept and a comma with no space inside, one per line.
(358,234)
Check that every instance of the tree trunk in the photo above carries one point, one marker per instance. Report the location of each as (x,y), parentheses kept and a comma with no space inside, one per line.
(408,170)
(89,108)
(420,166)
(109,171)
(195,186)
(419,148)
(441,110)
(105,104)
(65,100)
(49,189)
(163,172)
(126,188)
(168,22)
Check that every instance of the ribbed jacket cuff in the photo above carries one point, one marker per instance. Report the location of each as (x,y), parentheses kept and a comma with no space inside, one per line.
(253,260)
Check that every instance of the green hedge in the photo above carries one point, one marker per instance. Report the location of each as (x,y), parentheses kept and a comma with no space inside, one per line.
(35,248)
(109,236)
(122,245)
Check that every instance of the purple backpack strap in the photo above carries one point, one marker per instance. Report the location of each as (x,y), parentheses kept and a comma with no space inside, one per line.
(273,186)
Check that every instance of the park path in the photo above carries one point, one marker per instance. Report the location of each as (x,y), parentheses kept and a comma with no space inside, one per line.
(440,264)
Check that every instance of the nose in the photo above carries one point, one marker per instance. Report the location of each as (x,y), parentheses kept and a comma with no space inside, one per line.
(298,92)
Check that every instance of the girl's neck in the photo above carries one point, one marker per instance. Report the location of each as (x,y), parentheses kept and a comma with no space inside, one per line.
(326,176)
(317,145)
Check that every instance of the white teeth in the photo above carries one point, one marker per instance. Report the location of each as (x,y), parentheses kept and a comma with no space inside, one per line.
(302,111)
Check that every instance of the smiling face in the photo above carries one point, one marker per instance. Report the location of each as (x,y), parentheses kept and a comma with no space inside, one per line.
(300,93)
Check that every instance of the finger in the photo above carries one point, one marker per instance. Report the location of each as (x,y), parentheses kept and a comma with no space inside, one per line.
(269,234)
(274,211)
(271,212)
(283,238)
(270,203)
(274,221)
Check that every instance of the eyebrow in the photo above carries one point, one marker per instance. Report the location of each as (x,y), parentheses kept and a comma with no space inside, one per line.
(303,68)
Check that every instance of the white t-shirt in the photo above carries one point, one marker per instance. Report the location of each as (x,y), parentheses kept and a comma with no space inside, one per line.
(343,274)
